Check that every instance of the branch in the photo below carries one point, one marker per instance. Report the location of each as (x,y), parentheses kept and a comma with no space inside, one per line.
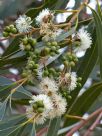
(82,123)
(88,133)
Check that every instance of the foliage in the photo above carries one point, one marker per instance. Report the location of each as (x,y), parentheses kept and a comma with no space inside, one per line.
(36,58)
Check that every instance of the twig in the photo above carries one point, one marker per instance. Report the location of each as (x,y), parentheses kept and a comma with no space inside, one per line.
(42,131)
(80,8)
(82,123)
(20,34)
(75,117)
(22,82)
(88,133)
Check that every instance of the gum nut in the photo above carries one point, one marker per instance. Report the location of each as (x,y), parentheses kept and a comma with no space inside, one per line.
(25,41)
(40,110)
(54,43)
(5,34)
(14,30)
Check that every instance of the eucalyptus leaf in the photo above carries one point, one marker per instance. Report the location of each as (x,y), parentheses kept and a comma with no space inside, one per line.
(54,127)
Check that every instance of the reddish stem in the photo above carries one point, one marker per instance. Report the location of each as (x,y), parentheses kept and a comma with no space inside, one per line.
(42,131)
(88,133)
(82,123)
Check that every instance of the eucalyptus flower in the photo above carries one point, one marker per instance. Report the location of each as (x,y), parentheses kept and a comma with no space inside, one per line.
(59,106)
(44,13)
(85,40)
(23,24)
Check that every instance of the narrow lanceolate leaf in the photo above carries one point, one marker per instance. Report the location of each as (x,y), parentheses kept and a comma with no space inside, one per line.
(11,122)
(65,35)
(54,127)
(98,23)
(3,109)
(84,102)
(33,132)
(6,83)
(61,4)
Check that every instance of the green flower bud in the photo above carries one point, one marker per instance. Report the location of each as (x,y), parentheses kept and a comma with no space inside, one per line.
(7,29)
(66,63)
(40,104)
(53,48)
(35,106)
(24,74)
(52,53)
(35,71)
(72,64)
(5,34)
(25,41)
(35,66)
(64,58)
(47,50)
(57,52)
(69,97)
(32,41)
(79,79)
(48,44)
(69,54)
(28,47)
(12,26)
(58,47)
(54,43)
(70,58)
(76,60)
(79,84)
(40,110)
(52,70)
(46,73)
(36,52)
(14,30)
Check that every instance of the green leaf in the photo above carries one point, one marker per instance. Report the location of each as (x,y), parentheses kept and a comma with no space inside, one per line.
(54,127)
(98,23)
(6,84)
(33,132)
(65,35)
(3,109)
(10,122)
(13,46)
(34,11)
(61,4)
(85,101)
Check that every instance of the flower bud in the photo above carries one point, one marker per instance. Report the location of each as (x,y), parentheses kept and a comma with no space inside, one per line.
(35,106)
(7,29)
(48,44)
(54,43)
(46,73)
(25,41)
(14,30)
(40,104)
(5,34)
(12,26)
(72,64)
(40,110)
(28,47)
(66,63)
(35,66)
(53,48)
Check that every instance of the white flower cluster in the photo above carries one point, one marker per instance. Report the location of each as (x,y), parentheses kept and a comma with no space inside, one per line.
(48,30)
(23,24)
(85,40)
(44,13)
(54,104)
(71,79)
